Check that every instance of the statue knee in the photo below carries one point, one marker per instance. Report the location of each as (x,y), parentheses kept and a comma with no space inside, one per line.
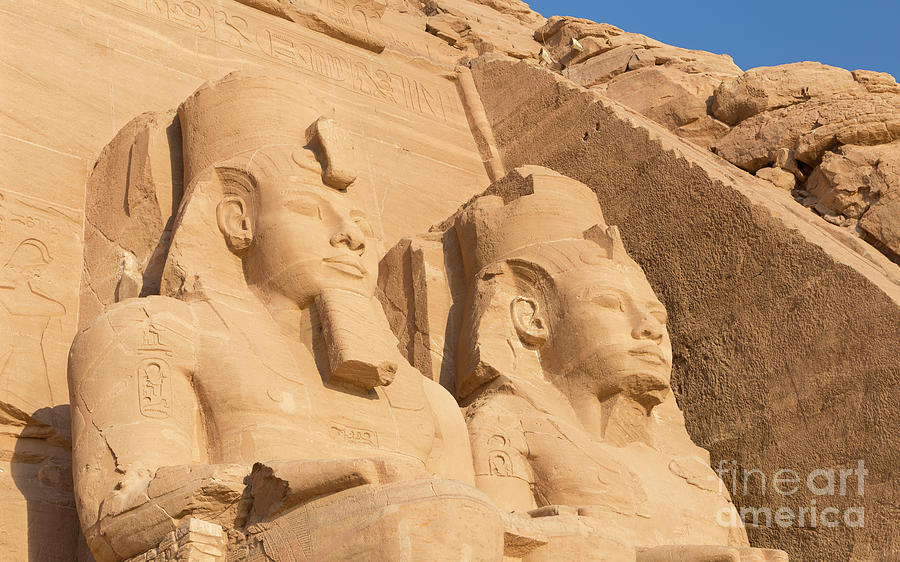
(416,520)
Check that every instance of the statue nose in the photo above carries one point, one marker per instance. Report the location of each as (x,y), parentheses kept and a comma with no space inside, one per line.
(648,329)
(351,236)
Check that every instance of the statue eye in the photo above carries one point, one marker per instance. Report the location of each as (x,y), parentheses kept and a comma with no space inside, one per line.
(364,226)
(306,207)
(611,301)
(660,316)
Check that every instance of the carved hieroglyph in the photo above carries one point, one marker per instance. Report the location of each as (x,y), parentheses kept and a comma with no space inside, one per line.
(270,349)
(34,328)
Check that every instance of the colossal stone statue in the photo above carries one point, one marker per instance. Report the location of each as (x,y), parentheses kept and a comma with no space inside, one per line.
(268,347)
(564,362)
(259,408)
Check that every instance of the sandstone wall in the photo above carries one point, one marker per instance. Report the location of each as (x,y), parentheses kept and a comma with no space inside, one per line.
(785,336)
(786,329)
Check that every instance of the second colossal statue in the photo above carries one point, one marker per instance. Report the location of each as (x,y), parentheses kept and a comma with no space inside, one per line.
(564,362)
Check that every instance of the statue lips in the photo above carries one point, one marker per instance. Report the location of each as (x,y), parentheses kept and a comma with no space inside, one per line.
(347,264)
(650,354)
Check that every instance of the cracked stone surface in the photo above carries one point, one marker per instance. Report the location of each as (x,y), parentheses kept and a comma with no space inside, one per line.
(783,319)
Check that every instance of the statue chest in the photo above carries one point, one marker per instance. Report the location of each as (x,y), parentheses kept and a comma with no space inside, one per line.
(675,498)
(256,409)
(570,469)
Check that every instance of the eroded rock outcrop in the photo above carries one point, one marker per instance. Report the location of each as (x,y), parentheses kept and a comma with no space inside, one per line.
(669,84)
(773,87)
(840,126)
(777,122)
(475,28)
(813,127)
(861,182)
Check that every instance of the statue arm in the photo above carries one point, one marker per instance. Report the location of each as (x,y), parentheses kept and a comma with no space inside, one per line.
(452,454)
(500,453)
(136,430)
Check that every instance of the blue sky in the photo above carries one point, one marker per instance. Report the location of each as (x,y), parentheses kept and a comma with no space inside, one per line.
(851,34)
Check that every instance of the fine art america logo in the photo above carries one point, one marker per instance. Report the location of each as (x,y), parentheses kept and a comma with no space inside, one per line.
(825,484)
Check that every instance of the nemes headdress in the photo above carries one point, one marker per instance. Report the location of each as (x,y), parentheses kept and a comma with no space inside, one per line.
(235,131)
(246,120)
(534,225)
(537,212)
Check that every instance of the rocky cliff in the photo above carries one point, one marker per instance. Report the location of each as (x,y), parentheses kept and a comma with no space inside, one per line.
(764,206)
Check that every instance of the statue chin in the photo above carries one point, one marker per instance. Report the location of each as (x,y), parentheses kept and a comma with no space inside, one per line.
(647,388)
(608,376)
(297,288)
(651,398)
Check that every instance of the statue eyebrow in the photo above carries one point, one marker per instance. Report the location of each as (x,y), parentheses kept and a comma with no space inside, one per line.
(295,193)
(595,290)
(656,307)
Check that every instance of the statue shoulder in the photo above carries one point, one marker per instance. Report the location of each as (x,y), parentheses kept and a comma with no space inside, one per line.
(499,407)
(152,326)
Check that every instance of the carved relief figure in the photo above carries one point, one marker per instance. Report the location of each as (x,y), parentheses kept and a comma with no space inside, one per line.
(269,348)
(26,314)
(564,364)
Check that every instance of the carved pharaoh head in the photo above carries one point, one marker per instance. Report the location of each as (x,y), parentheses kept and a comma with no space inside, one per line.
(554,295)
(29,258)
(257,149)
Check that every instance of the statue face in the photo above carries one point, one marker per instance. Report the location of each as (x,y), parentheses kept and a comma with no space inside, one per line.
(308,237)
(609,335)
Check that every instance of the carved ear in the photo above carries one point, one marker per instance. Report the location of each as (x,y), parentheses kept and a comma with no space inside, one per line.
(234,223)
(528,321)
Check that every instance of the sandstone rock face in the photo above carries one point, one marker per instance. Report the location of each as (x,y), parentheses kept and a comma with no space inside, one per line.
(514,8)
(843,127)
(882,221)
(806,108)
(666,94)
(670,85)
(557,33)
(705,131)
(856,180)
(849,179)
(833,121)
(773,87)
(877,82)
(811,128)
(475,28)
(778,176)
(601,67)
(214,420)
